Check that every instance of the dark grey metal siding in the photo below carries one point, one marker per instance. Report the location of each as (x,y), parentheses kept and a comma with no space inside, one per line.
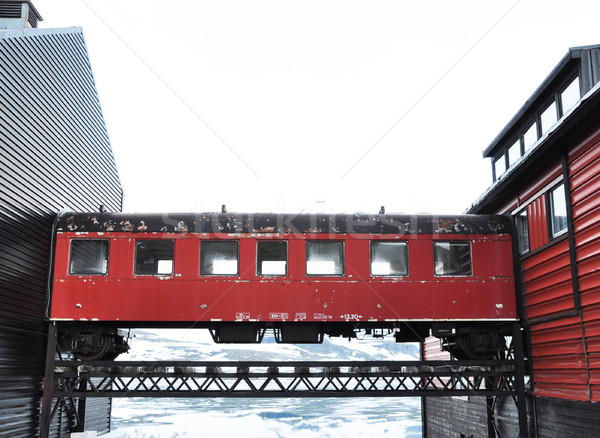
(451,417)
(566,418)
(54,154)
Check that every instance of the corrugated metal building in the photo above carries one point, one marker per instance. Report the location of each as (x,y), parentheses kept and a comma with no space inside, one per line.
(55,154)
(546,172)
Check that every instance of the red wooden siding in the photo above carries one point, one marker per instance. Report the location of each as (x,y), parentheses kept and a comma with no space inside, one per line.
(584,169)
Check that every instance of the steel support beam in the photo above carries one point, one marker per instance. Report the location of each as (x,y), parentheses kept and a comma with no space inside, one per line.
(49,373)
(519,359)
(284,379)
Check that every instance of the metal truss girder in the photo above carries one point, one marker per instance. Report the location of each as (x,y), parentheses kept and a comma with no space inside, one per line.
(284,379)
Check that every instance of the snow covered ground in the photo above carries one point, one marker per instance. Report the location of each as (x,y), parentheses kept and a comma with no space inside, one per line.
(297,417)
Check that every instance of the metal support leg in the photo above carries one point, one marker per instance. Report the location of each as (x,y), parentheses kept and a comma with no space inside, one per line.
(46,414)
(423,399)
(489,404)
(520,380)
(81,405)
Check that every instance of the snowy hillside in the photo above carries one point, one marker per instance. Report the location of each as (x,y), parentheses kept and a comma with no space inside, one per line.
(198,345)
(324,417)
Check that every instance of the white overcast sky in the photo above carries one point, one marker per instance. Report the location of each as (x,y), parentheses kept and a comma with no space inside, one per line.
(329,106)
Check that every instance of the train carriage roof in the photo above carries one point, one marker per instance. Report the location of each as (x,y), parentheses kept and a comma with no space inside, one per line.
(264,223)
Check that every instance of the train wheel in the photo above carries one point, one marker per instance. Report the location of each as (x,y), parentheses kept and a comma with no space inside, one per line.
(481,347)
(100,352)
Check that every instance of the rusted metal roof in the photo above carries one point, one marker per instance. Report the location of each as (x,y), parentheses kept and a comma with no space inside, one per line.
(282,223)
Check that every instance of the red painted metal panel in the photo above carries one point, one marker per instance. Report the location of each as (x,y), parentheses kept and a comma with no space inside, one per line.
(586,191)
(571,392)
(559,360)
(575,376)
(553,258)
(557,348)
(584,170)
(186,296)
(565,329)
(587,240)
(586,212)
(548,287)
(538,223)
(593,346)
(581,156)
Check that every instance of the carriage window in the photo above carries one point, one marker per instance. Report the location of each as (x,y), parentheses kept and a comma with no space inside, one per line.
(452,258)
(271,257)
(522,225)
(89,257)
(558,209)
(389,259)
(219,257)
(153,257)
(324,258)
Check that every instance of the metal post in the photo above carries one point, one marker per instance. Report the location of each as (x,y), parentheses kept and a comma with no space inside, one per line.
(423,399)
(520,380)
(81,406)
(489,407)
(46,414)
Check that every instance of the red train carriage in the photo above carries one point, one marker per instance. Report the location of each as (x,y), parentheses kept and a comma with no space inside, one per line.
(304,276)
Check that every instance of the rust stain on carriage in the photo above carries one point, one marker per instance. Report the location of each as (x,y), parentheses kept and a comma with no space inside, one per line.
(181,227)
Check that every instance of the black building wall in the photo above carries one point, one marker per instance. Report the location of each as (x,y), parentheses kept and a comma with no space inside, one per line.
(54,154)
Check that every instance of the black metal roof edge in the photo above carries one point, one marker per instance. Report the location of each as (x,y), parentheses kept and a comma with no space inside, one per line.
(267,223)
(31,6)
(35,11)
(572,55)
(562,129)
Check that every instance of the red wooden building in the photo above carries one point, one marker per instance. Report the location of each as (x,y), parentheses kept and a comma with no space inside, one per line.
(546,175)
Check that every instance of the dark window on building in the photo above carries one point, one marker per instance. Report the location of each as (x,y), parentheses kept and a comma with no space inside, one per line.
(499,166)
(548,117)
(153,257)
(530,136)
(558,210)
(570,95)
(324,258)
(271,257)
(514,153)
(89,257)
(522,225)
(219,257)
(452,258)
(389,259)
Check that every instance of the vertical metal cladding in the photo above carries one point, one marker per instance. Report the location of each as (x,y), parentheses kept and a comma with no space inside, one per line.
(584,170)
(538,225)
(54,154)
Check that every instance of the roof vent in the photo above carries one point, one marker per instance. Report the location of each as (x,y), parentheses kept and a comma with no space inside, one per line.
(18,15)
